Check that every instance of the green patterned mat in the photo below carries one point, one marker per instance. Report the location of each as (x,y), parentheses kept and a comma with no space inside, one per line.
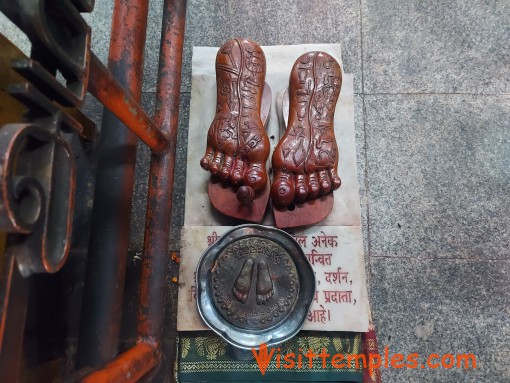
(205,357)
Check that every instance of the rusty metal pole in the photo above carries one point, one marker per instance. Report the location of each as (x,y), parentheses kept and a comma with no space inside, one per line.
(139,359)
(128,367)
(104,87)
(106,263)
(161,176)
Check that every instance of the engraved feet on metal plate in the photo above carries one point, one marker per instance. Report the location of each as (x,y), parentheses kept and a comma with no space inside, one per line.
(255,283)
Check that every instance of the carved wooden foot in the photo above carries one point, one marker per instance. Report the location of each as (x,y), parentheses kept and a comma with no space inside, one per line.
(305,160)
(237,143)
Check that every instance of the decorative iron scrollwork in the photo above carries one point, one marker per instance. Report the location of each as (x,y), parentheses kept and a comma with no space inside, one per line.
(37,170)
(39,115)
(37,179)
(60,42)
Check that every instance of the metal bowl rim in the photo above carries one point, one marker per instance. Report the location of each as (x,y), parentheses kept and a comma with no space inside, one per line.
(250,339)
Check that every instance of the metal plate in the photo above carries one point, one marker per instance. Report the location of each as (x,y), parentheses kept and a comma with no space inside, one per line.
(255,286)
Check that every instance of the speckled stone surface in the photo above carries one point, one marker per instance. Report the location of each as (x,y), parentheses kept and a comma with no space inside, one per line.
(100,19)
(433,165)
(452,46)
(359,126)
(139,206)
(152,43)
(94,109)
(211,23)
(437,165)
(438,176)
(455,306)
(13,33)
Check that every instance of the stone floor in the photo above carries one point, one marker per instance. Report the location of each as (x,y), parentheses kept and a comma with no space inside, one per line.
(432,84)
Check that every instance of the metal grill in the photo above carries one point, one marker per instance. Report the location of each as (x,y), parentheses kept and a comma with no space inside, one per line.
(40,98)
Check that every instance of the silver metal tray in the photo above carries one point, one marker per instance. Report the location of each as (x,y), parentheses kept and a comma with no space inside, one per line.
(254,286)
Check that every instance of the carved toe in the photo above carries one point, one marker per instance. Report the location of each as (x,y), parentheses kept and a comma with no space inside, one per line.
(335,179)
(282,190)
(237,171)
(215,165)
(207,158)
(301,188)
(313,186)
(324,183)
(226,169)
(256,177)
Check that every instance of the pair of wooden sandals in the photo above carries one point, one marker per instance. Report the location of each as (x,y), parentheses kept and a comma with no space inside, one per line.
(305,160)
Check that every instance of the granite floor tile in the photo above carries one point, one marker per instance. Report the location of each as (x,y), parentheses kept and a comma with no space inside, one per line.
(93,109)
(100,21)
(180,174)
(439,176)
(433,170)
(440,47)
(139,206)
(319,21)
(359,125)
(211,23)
(152,43)
(446,307)
(15,35)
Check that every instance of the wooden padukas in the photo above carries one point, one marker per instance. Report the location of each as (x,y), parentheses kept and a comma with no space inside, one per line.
(305,160)
(237,143)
